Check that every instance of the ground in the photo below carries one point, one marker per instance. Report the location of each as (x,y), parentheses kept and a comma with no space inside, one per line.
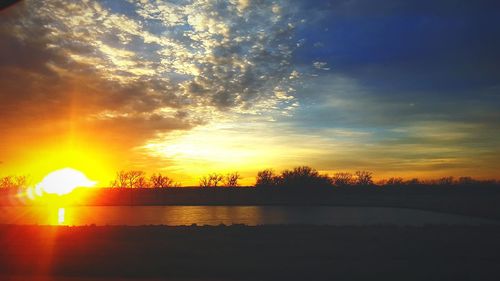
(250,253)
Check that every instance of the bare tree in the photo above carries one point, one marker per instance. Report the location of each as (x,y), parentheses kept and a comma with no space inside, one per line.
(120,179)
(216,179)
(342,179)
(211,180)
(130,179)
(205,181)
(364,178)
(160,181)
(136,179)
(395,181)
(231,179)
(142,182)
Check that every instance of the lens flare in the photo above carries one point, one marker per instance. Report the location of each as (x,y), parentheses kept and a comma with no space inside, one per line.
(64,181)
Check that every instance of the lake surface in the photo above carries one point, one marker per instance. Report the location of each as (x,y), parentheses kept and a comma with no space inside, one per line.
(215,215)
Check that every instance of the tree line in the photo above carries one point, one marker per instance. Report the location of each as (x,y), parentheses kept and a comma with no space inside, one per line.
(305,176)
(138,179)
(296,178)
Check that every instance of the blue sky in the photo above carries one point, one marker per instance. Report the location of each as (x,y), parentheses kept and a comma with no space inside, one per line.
(404,71)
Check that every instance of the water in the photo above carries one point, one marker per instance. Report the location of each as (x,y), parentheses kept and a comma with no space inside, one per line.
(214,215)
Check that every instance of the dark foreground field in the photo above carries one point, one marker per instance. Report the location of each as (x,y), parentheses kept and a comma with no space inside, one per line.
(250,253)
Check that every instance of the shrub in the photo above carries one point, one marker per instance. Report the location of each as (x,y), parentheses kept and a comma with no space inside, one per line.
(267,178)
(304,177)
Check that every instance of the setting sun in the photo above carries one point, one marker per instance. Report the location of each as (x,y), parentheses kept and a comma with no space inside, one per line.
(64,181)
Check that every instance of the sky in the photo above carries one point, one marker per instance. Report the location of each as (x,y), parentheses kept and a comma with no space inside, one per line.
(185,88)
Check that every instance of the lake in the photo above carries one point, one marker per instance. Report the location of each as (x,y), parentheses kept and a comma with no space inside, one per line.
(215,215)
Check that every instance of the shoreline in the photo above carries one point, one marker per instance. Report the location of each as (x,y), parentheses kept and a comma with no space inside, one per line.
(470,201)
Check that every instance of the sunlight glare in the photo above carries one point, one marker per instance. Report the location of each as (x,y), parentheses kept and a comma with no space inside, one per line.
(64,181)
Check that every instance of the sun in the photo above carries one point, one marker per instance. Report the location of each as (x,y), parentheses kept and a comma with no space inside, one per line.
(63,181)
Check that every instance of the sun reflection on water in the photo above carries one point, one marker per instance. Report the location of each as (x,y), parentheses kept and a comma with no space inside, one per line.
(60,216)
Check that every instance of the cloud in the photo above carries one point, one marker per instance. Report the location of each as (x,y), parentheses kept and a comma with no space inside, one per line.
(320,65)
(407,134)
(142,68)
(340,100)
(234,52)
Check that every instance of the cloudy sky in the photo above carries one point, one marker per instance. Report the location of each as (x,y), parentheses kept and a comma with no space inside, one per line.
(184,87)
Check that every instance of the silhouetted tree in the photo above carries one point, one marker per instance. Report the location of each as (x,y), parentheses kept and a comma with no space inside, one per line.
(395,182)
(342,179)
(120,179)
(467,181)
(160,181)
(364,178)
(445,181)
(231,179)
(216,179)
(204,181)
(211,180)
(304,176)
(130,179)
(142,182)
(267,178)
(413,182)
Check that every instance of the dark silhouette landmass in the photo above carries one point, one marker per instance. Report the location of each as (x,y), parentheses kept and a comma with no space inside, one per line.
(481,201)
(252,253)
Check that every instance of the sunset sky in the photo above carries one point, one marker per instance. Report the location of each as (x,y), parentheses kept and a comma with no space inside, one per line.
(400,88)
